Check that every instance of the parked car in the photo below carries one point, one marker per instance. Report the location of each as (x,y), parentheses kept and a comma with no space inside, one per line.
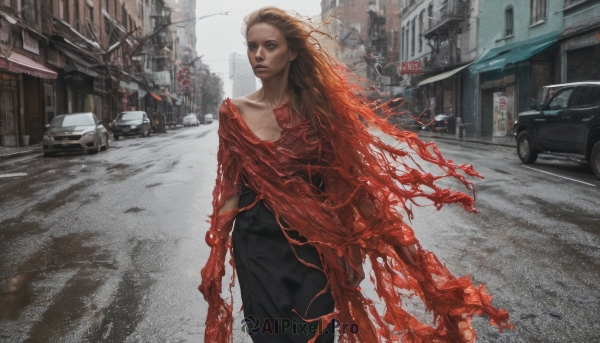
(208,118)
(72,132)
(131,123)
(191,120)
(440,123)
(567,123)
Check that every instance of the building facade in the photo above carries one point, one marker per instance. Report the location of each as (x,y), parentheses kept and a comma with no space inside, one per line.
(518,52)
(440,37)
(102,56)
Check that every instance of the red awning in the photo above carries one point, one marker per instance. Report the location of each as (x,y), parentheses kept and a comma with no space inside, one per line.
(155,96)
(18,63)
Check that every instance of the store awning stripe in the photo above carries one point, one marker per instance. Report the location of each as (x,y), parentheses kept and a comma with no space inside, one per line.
(18,63)
(442,76)
(502,61)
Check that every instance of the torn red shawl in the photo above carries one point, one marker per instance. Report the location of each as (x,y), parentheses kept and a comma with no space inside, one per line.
(368,184)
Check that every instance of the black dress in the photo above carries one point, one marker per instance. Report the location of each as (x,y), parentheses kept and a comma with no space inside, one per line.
(273,281)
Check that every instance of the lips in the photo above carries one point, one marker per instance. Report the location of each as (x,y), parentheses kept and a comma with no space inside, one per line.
(260,66)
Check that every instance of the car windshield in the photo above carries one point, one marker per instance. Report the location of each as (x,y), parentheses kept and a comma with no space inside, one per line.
(130,116)
(73,120)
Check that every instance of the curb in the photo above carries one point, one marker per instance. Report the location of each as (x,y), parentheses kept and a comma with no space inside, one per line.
(20,153)
(470,141)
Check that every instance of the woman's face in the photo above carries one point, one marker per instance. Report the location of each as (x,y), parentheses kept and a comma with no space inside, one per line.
(268,51)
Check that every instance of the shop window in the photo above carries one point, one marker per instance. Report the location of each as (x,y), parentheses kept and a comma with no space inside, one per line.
(508,21)
(538,11)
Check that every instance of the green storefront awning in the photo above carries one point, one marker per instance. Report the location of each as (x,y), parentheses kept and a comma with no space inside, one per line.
(504,60)
(501,57)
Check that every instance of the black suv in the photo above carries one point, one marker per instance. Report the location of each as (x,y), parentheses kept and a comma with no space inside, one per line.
(567,122)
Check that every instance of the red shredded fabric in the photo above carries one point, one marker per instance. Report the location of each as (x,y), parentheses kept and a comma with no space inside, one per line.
(370,187)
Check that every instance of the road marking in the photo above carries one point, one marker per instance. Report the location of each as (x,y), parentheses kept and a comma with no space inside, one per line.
(2,176)
(563,177)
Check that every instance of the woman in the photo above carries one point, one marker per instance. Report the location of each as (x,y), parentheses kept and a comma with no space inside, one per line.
(312,194)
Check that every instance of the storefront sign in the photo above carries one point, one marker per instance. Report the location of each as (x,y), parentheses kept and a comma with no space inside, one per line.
(411,68)
(161,78)
(99,86)
(30,44)
(509,79)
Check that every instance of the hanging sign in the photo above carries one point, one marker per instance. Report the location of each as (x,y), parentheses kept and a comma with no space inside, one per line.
(30,44)
(411,68)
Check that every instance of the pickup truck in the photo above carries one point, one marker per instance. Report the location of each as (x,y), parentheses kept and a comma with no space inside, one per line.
(567,122)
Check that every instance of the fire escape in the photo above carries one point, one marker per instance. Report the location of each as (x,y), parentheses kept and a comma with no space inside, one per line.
(442,35)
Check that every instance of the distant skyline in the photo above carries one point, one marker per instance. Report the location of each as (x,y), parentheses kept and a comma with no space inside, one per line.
(219,36)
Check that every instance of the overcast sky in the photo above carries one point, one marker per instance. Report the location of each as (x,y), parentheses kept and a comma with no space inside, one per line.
(219,36)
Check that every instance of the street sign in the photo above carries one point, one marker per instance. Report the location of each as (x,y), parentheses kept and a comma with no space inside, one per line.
(411,68)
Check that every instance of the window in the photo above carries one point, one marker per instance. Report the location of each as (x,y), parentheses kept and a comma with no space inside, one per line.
(508,21)
(561,100)
(90,14)
(115,10)
(63,10)
(538,11)
(412,37)
(105,5)
(403,49)
(430,15)
(124,17)
(421,15)
(586,96)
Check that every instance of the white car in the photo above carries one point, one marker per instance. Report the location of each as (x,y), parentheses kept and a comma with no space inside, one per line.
(191,120)
(208,118)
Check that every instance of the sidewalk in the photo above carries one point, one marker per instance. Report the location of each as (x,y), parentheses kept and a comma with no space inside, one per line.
(508,141)
(10,152)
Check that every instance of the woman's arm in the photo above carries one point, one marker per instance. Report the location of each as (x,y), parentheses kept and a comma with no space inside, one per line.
(230,204)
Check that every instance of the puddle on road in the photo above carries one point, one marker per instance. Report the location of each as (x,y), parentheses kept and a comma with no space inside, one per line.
(18,226)
(126,310)
(60,254)
(61,198)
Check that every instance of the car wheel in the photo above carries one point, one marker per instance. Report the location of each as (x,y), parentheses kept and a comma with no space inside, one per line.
(524,150)
(116,137)
(106,145)
(595,159)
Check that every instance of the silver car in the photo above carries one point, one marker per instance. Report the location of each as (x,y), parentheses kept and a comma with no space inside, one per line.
(75,132)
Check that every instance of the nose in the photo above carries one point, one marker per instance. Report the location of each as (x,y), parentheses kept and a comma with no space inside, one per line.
(258,55)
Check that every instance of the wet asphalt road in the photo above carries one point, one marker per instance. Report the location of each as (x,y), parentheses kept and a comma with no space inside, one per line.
(108,247)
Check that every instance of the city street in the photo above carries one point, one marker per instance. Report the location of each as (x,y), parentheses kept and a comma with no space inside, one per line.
(109,247)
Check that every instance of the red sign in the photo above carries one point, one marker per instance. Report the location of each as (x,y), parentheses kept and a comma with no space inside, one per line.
(411,68)
(503,104)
